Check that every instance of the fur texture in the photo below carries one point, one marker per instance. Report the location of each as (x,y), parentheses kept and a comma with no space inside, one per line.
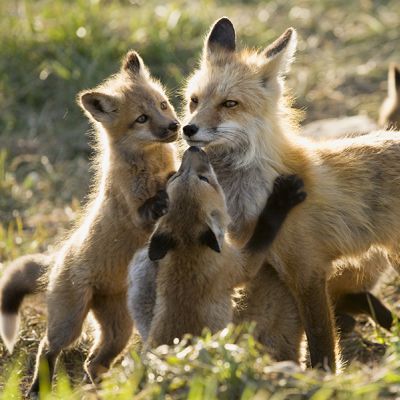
(134,123)
(195,269)
(351,183)
(26,275)
(9,326)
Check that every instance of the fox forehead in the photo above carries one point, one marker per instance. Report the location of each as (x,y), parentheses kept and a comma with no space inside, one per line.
(142,93)
(234,79)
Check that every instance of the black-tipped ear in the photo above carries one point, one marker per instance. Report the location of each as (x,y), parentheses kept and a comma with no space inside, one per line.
(279,54)
(100,106)
(222,36)
(279,44)
(209,239)
(132,62)
(160,244)
(397,78)
(394,80)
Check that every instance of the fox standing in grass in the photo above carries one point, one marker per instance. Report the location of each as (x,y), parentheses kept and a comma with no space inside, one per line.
(194,266)
(238,112)
(134,124)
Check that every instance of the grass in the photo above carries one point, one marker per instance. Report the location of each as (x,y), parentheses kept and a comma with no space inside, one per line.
(52,49)
(228,365)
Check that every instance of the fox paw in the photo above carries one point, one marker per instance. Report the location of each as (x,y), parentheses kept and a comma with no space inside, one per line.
(155,207)
(287,192)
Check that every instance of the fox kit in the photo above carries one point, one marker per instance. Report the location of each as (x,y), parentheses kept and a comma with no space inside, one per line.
(134,125)
(389,115)
(197,268)
(238,112)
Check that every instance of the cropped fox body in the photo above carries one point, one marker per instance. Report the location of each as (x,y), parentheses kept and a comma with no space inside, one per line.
(354,190)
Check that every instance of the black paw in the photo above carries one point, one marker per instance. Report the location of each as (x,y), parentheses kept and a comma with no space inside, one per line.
(287,192)
(155,207)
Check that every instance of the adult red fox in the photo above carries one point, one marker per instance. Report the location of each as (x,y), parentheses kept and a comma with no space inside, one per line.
(237,111)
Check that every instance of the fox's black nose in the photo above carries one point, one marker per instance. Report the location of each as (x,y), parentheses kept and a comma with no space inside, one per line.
(190,130)
(194,149)
(173,126)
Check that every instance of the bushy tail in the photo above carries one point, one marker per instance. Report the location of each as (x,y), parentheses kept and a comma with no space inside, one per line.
(361,303)
(26,275)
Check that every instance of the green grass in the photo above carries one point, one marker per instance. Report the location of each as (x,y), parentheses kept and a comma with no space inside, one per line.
(52,49)
(228,365)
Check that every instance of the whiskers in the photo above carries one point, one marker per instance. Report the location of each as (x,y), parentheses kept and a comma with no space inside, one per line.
(237,137)
(242,148)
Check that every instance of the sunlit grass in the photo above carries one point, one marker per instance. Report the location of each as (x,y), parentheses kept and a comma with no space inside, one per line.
(228,365)
(52,49)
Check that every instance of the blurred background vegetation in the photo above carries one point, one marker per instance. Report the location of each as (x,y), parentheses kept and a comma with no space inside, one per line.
(52,49)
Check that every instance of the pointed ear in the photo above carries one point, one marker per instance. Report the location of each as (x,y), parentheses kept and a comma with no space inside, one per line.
(213,236)
(221,37)
(160,244)
(132,63)
(100,106)
(279,54)
(394,81)
(209,239)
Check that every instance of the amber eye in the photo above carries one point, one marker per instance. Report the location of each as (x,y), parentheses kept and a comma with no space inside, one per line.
(203,178)
(194,99)
(230,103)
(142,119)
(163,105)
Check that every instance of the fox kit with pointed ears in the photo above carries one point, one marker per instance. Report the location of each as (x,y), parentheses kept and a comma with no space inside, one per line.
(195,269)
(134,124)
(237,110)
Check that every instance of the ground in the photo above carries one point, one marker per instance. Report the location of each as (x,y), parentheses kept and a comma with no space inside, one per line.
(50,50)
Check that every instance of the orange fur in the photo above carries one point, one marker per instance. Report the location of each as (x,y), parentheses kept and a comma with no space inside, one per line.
(134,163)
(353,196)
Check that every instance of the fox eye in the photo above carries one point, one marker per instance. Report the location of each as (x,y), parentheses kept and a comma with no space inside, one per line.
(230,103)
(142,119)
(194,100)
(163,105)
(203,178)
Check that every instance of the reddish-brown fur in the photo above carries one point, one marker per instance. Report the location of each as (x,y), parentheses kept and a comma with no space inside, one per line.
(236,103)
(134,163)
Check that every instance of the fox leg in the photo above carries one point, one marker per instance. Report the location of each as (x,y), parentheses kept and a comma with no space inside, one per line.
(318,320)
(67,308)
(267,301)
(116,326)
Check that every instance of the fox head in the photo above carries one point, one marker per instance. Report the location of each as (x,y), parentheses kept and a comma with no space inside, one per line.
(389,116)
(234,96)
(197,214)
(131,106)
